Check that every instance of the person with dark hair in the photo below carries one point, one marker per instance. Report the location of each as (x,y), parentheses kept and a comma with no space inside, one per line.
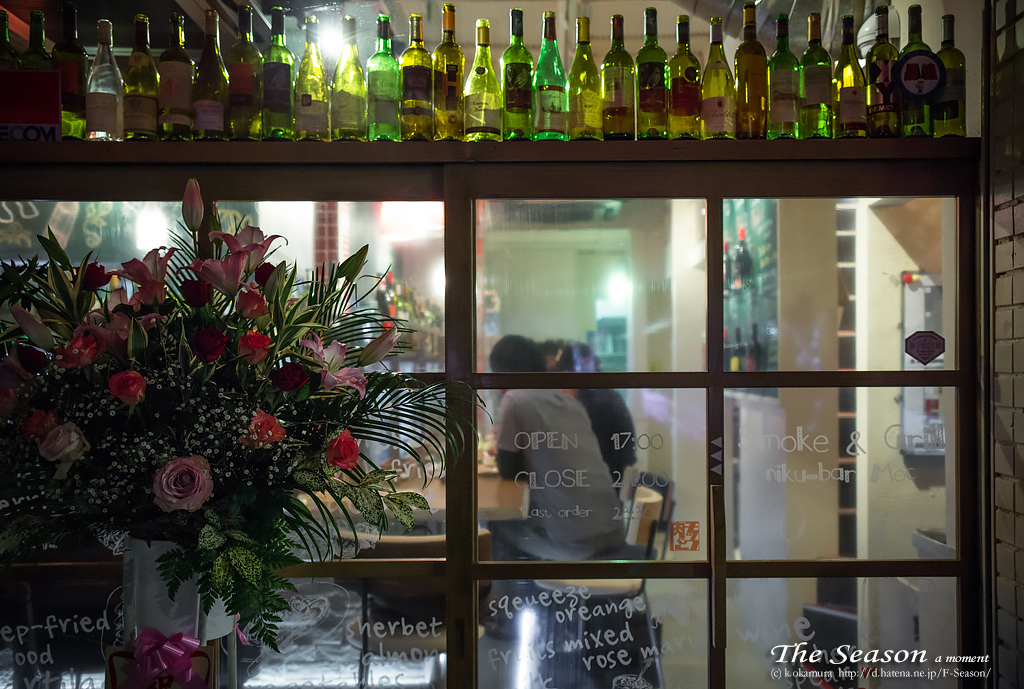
(551,351)
(607,410)
(545,440)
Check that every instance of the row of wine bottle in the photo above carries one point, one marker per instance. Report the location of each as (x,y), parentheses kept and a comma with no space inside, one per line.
(420,96)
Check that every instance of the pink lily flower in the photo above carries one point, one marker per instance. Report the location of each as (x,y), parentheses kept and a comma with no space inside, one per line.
(149,274)
(12,373)
(332,362)
(379,348)
(34,328)
(249,239)
(192,206)
(224,275)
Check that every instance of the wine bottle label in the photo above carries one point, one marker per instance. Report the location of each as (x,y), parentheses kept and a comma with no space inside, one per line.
(852,105)
(719,114)
(101,113)
(685,96)
(384,112)
(585,111)
(817,84)
(277,87)
(241,84)
(651,77)
(921,75)
(451,87)
(882,87)
(618,87)
(479,118)
(416,87)
(783,106)
(175,92)
(311,115)
(551,114)
(518,78)
(71,98)
(348,111)
(140,114)
(209,115)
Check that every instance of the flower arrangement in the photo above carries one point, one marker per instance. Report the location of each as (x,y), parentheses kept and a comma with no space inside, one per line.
(201,407)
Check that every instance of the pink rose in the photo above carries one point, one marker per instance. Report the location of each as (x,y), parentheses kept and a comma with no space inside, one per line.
(65,443)
(250,303)
(8,401)
(343,451)
(81,352)
(183,483)
(253,347)
(128,386)
(263,430)
(40,423)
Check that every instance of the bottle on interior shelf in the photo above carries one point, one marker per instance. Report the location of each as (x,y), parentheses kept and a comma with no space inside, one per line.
(849,97)
(549,84)
(883,97)
(652,82)
(245,83)
(449,65)
(584,89)
(815,85)
(482,94)
(35,56)
(684,86)
(916,112)
(348,90)
(417,118)
(717,91)
(104,97)
(278,82)
(9,58)
(618,86)
(210,91)
(70,59)
(141,88)
(743,262)
(783,86)
(516,83)
(755,352)
(751,80)
(383,88)
(726,269)
(312,112)
(949,116)
(177,72)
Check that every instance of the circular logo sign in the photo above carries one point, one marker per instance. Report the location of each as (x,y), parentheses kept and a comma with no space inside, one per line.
(921,75)
(690,74)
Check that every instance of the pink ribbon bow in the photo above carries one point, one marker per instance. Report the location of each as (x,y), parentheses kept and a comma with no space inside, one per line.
(155,653)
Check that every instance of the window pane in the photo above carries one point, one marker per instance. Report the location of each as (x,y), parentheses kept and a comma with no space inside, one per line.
(827,284)
(594,634)
(594,474)
(625,277)
(841,472)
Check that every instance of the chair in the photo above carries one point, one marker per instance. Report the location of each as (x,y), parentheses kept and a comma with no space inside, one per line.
(636,482)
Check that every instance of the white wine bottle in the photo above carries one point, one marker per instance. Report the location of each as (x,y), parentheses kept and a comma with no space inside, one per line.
(312,114)
(210,92)
(482,94)
(849,89)
(278,80)
(245,83)
(348,92)
(141,87)
(717,91)
(104,100)
(177,72)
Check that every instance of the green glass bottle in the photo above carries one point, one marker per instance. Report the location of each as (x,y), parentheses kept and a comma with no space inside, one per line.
(916,113)
(783,86)
(9,58)
(652,81)
(278,83)
(549,84)
(417,86)
(815,85)
(35,56)
(312,112)
(383,88)
(177,72)
(141,87)
(618,88)
(482,93)
(210,91)
(449,74)
(585,116)
(684,86)
(949,115)
(70,60)
(849,90)
(245,83)
(751,80)
(883,98)
(717,91)
(348,92)
(517,83)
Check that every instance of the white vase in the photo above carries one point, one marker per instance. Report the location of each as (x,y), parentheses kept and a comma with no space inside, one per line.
(147,605)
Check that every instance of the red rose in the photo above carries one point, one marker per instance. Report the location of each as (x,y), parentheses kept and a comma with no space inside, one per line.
(81,351)
(263,273)
(31,359)
(250,303)
(343,451)
(40,423)
(209,344)
(263,430)
(253,347)
(195,293)
(95,277)
(128,386)
(291,376)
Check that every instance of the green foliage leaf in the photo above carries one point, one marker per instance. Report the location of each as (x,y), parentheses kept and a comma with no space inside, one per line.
(210,538)
(246,564)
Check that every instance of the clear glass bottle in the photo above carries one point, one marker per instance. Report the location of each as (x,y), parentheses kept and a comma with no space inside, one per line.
(883,98)
(141,87)
(245,83)
(618,88)
(783,86)
(652,82)
(751,80)
(35,56)
(717,91)
(348,91)
(449,74)
(104,98)
(549,85)
(278,83)
(849,91)
(9,58)
(815,85)
(417,117)
(177,73)
(684,86)
(949,115)
(482,93)
(210,90)
(584,87)
(383,88)
(916,112)
(312,112)
(517,83)
(70,60)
